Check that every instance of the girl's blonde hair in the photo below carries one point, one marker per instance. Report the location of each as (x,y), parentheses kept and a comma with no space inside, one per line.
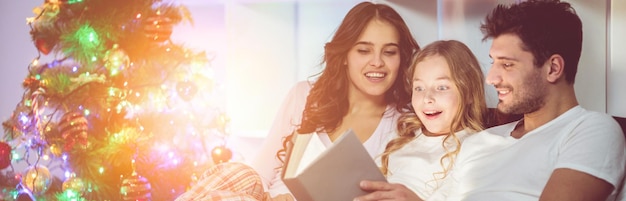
(469,80)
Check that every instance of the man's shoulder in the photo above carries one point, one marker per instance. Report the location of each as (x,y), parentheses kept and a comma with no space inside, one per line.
(590,118)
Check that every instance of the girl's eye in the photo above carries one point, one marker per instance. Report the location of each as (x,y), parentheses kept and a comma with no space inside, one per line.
(418,89)
(363,51)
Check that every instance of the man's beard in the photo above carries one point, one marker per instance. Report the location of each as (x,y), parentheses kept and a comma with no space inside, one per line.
(526,99)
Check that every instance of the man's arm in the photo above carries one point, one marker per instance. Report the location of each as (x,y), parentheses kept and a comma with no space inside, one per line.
(568,184)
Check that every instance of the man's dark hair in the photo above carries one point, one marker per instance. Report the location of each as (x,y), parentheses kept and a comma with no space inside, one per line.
(546,27)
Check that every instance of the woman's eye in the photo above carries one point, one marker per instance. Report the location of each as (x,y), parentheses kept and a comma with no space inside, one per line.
(363,51)
(418,89)
(390,52)
(443,88)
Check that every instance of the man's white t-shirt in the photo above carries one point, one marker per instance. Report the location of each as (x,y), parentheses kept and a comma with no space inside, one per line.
(492,165)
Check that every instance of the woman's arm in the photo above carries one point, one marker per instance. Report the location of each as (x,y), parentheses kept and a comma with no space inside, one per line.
(267,165)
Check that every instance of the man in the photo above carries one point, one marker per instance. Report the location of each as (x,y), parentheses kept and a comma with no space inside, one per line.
(558,151)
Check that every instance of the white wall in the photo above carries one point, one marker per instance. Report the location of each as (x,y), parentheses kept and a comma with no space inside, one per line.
(260,61)
(591,79)
(616,81)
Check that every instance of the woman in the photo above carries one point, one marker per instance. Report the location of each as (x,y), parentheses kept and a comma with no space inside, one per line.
(360,88)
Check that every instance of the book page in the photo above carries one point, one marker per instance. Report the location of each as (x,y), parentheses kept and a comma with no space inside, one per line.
(313,149)
(335,173)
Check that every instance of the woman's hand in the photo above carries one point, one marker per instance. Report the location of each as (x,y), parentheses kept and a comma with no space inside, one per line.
(381,190)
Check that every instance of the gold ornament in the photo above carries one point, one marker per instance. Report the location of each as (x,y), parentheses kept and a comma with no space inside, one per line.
(55,150)
(116,60)
(221,154)
(75,184)
(37,179)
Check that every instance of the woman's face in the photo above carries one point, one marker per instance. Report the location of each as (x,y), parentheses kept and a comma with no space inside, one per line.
(435,96)
(374,60)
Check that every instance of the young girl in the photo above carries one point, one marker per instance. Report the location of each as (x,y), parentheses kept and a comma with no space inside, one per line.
(447,104)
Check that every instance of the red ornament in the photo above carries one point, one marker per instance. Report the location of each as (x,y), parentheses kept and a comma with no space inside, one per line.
(136,188)
(73,128)
(221,154)
(31,83)
(43,46)
(5,155)
(158,28)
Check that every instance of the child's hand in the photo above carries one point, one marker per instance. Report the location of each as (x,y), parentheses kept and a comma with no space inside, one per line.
(381,190)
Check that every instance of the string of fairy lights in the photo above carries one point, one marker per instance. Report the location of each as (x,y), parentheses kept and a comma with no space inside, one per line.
(121,110)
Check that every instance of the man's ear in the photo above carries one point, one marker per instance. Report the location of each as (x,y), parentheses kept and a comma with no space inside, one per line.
(556,69)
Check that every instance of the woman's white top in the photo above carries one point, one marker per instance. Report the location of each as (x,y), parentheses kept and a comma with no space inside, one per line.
(288,118)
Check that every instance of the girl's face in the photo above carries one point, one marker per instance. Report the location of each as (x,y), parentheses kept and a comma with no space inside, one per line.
(374,60)
(435,96)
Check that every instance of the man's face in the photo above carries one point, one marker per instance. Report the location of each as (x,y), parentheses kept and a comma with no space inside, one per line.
(520,85)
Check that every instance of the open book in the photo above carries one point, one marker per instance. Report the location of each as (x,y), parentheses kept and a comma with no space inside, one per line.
(314,172)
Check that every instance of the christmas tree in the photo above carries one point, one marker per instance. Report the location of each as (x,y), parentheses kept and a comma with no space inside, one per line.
(123,111)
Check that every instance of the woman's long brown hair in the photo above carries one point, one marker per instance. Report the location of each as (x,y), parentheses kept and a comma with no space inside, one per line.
(327,103)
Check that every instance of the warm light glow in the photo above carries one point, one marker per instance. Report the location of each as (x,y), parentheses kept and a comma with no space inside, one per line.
(162,148)
(114,71)
(30,20)
(111,91)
